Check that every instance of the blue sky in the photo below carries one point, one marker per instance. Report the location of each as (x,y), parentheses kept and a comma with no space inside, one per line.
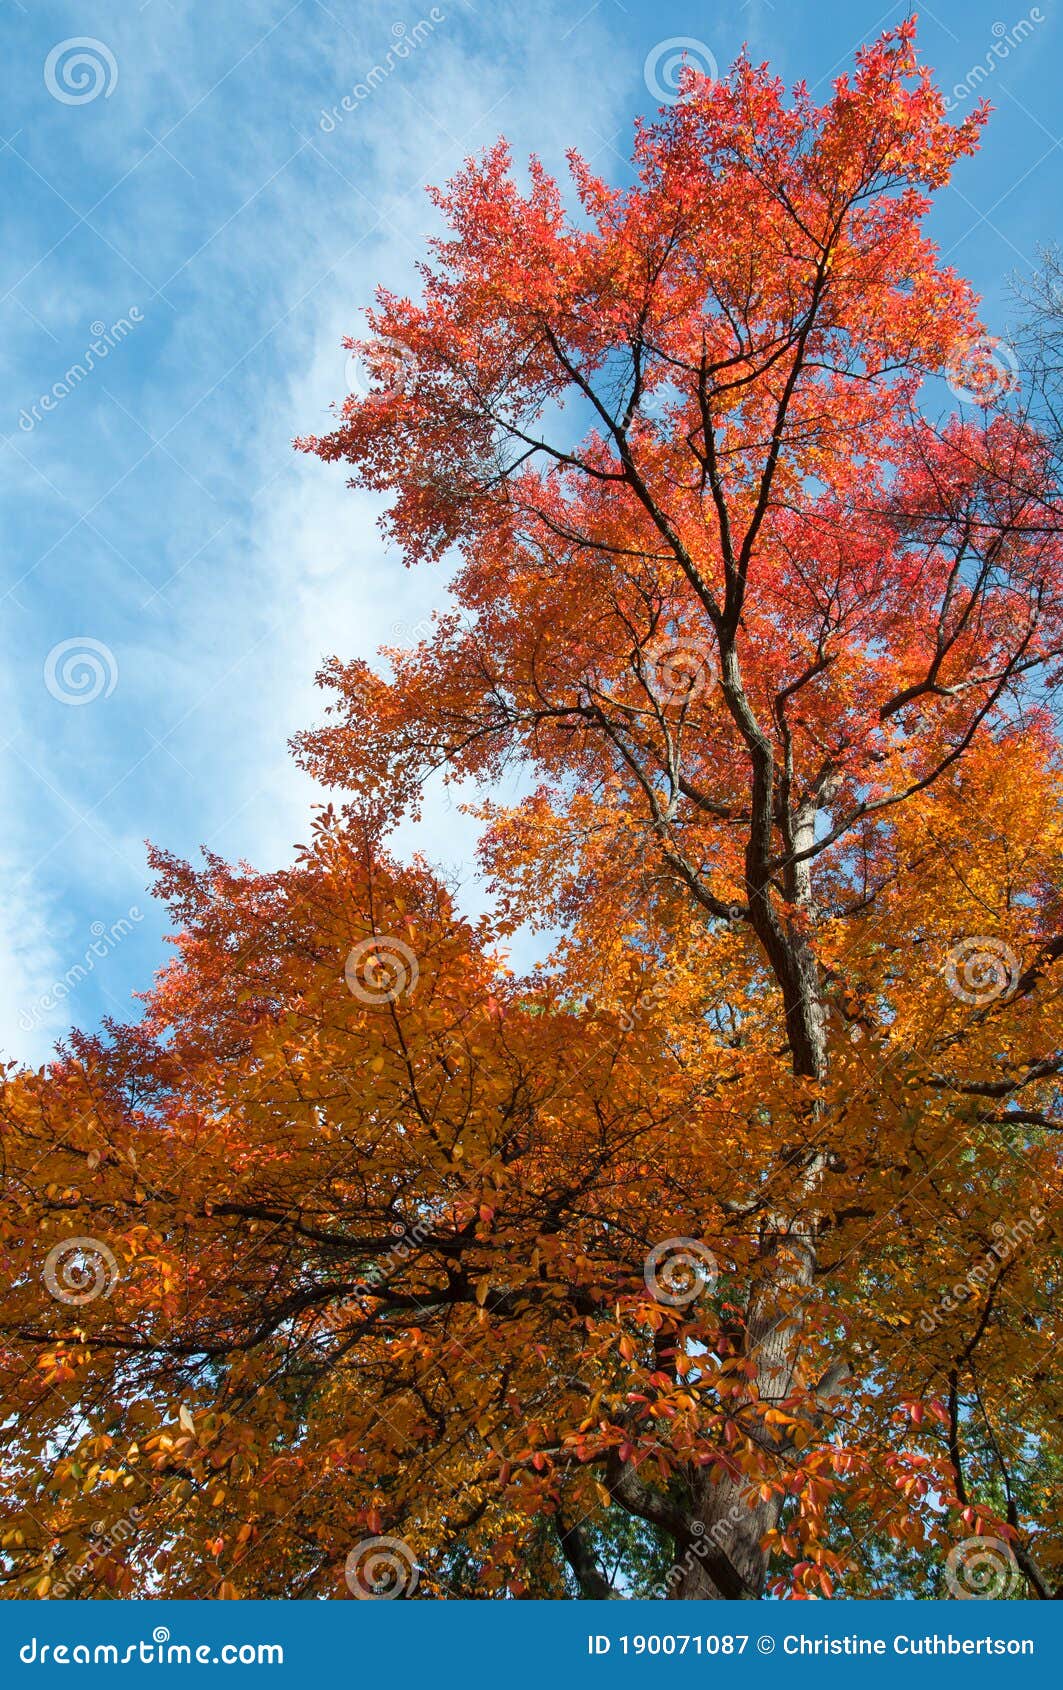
(172,193)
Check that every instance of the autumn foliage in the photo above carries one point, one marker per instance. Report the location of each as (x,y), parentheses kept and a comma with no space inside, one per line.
(728,1240)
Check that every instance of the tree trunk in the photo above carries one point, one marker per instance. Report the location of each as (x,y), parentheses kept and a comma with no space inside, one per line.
(725,1516)
(726,1523)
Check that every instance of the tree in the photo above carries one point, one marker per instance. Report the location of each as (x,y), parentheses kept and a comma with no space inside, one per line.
(375,1241)
(761,603)
(1040,340)
(727,1232)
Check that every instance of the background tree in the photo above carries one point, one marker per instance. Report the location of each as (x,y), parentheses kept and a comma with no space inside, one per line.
(1040,343)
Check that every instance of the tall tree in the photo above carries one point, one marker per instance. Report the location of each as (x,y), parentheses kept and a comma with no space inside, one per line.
(723,585)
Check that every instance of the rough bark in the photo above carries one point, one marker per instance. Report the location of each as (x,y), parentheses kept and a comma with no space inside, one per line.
(723,1515)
